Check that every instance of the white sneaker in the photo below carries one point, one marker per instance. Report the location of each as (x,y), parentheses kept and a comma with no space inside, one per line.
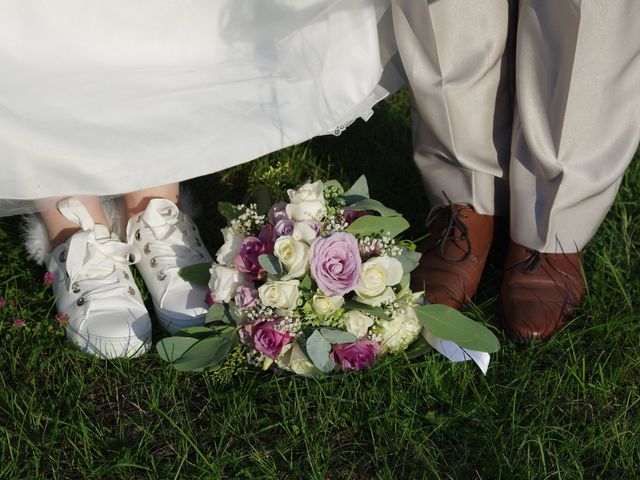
(94,287)
(169,240)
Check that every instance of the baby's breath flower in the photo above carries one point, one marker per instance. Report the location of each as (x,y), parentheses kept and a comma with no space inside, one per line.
(249,221)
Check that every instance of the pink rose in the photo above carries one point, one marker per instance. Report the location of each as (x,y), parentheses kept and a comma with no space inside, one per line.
(335,263)
(355,356)
(246,261)
(267,340)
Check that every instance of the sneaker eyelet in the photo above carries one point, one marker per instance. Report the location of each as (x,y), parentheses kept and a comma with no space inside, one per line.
(75,288)
(63,256)
(131,291)
(125,275)
(80,302)
(160,276)
(153,262)
(137,235)
(146,249)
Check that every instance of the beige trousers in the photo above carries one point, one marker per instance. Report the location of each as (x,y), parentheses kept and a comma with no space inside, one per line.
(530,108)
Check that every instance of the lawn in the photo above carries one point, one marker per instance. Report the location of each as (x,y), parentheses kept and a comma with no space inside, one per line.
(569,408)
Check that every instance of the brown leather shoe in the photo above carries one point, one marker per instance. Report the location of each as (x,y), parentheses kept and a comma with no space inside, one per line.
(539,292)
(453,255)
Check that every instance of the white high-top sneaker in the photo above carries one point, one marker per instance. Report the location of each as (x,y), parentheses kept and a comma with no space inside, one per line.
(169,240)
(94,287)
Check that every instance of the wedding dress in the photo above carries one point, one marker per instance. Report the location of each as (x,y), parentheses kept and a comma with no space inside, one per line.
(103,98)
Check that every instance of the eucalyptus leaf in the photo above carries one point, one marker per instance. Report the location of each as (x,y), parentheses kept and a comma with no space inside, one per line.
(373,205)
(449,324)
(410,259)
(171,349)
(228,211)
(334,336)
(307,283)
(198,273)
(363,307)
(271,264)
(358,191)
(318,349)
(208,352)
(198,332)
(216,313)
(371,225)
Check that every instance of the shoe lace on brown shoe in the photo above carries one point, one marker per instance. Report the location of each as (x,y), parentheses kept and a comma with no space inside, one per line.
(539,292)
(454,231)
(454,253)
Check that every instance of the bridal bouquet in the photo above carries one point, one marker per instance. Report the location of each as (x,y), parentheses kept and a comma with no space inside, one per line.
(316,285)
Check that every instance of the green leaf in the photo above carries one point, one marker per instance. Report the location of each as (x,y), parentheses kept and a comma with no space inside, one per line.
(358,191)
(198,332)
(216,313)
(410,259)
(318,349)
(363,307)
(374,205)
(449,324)
(228,211)
(333,336)
(171,349)
(198,273)
(307,283)
(271,264)
(370,225)
(208,352)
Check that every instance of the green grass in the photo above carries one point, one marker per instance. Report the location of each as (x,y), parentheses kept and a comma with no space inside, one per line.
(569,408)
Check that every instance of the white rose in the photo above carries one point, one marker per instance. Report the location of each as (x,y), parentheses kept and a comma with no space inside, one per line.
(294,256)
(400,332)
(357,323)
(280,294)
(224,281)
(300,364)
(294,360)
(230,248)
(303,233)
(376,276)
(306,211)
(324,305)
(309,192)
(386,296)
(307,202)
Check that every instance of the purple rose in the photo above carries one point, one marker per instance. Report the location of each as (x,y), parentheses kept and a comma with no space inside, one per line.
(355,356)
(266,237)
(245,297)
(267,340)
(351,216)
(335,263)
(277,212)
(246,261)
(283,228)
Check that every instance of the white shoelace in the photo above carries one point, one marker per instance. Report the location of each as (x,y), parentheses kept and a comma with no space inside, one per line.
(168,254)
(95,266)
